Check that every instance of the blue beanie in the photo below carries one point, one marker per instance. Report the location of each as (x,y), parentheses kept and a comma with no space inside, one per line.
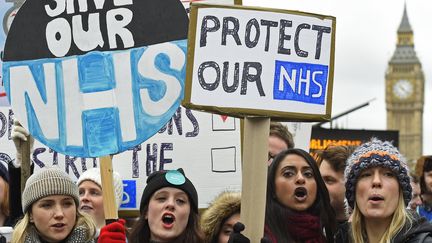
(376,153)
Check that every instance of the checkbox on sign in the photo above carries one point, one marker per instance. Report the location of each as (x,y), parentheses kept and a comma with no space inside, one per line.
(223,159)
(223,123)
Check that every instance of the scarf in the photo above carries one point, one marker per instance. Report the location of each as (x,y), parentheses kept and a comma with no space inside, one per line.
(305,227)
(78,235)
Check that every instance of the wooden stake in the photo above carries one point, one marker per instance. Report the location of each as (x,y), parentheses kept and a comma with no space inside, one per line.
(109,201)
(25,162)
(254,176)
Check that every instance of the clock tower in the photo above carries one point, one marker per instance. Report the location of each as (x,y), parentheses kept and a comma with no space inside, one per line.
(405,93)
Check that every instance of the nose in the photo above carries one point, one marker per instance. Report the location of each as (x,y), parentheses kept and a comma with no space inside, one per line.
(58,212)
(170,204)
(376,179)
(300,178)
(84,197)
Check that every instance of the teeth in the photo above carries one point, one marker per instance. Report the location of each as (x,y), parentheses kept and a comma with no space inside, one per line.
(168,216)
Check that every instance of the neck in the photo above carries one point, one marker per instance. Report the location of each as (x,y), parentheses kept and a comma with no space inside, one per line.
(375,229)
(100,224)
(341,214)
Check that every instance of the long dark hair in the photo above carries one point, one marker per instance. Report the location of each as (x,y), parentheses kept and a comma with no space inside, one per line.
(276,213)
(140,232)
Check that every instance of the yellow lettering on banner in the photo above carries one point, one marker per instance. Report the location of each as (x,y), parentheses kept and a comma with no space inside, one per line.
(320,144)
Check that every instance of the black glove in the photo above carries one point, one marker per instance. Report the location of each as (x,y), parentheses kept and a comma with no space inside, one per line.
(236,236)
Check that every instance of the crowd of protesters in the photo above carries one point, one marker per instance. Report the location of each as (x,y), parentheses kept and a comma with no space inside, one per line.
(342,194)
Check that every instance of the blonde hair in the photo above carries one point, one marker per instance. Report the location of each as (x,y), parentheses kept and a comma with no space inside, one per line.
(399,219)
(21,228)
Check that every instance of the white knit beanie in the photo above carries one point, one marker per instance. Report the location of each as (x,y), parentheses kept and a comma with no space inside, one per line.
(94,175)
(47,182)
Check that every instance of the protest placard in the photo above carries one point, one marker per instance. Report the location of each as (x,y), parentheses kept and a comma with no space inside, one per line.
(258,64)
(97,77)
(263,62)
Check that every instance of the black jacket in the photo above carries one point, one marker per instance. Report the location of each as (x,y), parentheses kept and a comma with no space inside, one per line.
(420,231)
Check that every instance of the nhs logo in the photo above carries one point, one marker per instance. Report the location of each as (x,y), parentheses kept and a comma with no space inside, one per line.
(302,82)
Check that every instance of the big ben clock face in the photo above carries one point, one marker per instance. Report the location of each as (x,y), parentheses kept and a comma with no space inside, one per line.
(403,89)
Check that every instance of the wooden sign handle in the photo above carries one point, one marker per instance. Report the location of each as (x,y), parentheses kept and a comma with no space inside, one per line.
(254,176)
(109,201)
(25,162)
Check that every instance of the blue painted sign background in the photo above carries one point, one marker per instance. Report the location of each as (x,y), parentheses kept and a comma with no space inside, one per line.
(101,127)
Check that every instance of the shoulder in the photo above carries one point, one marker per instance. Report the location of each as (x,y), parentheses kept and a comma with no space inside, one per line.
(424,237)
(420,231)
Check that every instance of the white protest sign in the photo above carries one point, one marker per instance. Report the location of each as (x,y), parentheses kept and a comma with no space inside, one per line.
(95,79)
(264,62)
(206,146)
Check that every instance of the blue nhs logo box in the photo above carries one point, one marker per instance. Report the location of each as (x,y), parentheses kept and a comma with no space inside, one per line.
(303,82)
(129,199)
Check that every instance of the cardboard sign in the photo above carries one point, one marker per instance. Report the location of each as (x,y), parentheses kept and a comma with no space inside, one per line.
(92,78)
(260,62)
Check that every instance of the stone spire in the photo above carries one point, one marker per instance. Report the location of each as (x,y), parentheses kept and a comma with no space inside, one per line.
(405,52)
(404,26)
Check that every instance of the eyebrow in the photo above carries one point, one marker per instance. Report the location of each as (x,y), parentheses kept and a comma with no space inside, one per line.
(294,168)
(52,200)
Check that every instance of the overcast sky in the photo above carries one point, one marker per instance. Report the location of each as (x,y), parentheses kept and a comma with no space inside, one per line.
(366,34)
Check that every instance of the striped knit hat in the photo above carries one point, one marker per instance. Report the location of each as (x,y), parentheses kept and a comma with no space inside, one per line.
(47,182)
(376,153)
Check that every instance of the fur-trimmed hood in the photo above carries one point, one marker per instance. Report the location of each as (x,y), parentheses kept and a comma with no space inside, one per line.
(223,206)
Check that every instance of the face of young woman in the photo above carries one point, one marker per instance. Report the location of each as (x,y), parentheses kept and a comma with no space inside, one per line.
(168,214)
(377,193)
(295,184)
(54,217)
(91,201)
(428,180)
(227,228)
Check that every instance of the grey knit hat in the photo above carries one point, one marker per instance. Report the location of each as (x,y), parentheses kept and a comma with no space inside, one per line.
(47,182)
(376,153)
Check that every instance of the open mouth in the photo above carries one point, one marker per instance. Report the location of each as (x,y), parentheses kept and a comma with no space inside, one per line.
(300,193)
(58,225)
(376,198)
(168,219)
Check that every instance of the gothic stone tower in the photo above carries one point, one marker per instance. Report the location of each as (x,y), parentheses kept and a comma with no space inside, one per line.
(405,93)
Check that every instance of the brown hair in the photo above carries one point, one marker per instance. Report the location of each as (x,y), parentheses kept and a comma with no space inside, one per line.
(4,206)
(336,156)
(424,164)
(279,130)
